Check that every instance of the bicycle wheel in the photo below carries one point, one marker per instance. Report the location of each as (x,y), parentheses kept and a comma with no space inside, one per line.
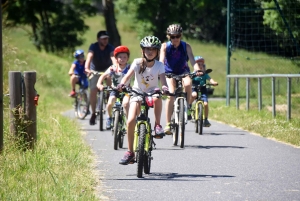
(75,106)
(196,121)
(175,130)
(121,139)
(141,150)
(148,158)
(100,108)
(116,131)
(82,105)
(200,119)
(181,123)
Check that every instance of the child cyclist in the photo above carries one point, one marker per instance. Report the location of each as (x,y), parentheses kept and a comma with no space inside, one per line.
(201,80)
(77,72)
(146,71)
(116,72)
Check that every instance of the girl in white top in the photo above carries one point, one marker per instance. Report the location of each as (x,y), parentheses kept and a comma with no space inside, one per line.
(146,71)
(116,72)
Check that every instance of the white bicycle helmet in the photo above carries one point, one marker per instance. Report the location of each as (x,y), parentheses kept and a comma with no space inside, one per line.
(174,29)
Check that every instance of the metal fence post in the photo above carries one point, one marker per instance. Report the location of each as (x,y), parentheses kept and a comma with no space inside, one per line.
(288,115)
(273,98)
(30,108)
(259,94)
(247,93)
(237,93)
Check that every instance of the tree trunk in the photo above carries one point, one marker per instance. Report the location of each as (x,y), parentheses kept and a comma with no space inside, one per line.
(110,21)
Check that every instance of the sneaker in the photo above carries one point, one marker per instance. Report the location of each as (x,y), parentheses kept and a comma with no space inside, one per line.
(72,94)
(93,119)
(108,123)
(168,129)
(127,158)
(206,123)
(159,132)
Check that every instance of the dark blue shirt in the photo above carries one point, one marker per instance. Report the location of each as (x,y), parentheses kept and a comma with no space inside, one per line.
(101,59)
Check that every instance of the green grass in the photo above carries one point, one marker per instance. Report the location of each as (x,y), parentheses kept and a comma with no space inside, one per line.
(61,166)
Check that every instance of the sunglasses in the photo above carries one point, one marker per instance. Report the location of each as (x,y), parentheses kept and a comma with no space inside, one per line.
(177,36)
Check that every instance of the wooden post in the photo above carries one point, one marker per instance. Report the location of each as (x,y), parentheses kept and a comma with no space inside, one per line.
(288,93)
(30,108)
(259,94)
(273,98)
(237,93)
(247,93)
(15,95)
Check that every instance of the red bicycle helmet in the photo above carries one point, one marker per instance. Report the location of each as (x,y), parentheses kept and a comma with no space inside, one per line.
(121,49)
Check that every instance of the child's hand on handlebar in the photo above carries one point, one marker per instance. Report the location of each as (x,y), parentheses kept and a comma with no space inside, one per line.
(165,89)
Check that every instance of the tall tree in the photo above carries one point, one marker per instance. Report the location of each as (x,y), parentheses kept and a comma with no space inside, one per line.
(57,26)
(110,21)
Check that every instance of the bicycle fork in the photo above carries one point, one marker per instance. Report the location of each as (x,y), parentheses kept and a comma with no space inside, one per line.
(136,136)
(176,109)
(197,109)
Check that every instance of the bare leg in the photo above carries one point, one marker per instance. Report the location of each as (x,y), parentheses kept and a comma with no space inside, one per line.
(170,100)
(126,105)
(205,109)
(134,110)
(187,82)
(110,103)
(157,110)
(73,81)
(93,99)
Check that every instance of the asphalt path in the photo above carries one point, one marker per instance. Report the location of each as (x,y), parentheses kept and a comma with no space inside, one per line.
(225,163)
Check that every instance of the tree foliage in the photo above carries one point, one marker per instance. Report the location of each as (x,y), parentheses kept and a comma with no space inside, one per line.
(200,19)
(57,26)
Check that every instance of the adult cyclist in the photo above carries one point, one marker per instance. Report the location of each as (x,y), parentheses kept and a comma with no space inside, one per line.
(175,55)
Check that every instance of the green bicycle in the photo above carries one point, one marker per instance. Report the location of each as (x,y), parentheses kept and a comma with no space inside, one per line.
(118,119)
(143,140)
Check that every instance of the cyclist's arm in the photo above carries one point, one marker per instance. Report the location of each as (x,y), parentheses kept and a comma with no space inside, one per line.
(162,53)
(113,59)
(213,82)
(101,78)
(71,71)
(89,58)
(190,54)
(127,76)
(163,80)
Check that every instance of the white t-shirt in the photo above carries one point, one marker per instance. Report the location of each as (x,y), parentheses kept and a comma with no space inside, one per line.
(148,80)
(116,74)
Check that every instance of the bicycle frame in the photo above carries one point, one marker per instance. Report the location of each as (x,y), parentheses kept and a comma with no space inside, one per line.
(142,119)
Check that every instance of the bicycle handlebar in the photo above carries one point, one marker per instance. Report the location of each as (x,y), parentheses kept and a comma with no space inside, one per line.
(144,94)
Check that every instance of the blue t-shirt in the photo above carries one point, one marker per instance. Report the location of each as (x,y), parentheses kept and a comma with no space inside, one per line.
(101,59)
(79,69)
(176,59)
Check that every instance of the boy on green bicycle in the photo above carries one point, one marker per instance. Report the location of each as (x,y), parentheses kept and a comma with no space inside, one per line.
(116,72)
(201,80)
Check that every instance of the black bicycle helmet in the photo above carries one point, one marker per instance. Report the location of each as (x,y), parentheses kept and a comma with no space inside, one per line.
(150,41)
(174,29)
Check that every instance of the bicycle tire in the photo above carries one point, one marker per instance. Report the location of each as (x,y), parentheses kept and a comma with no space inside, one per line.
(116,131)
(121,139)
(82,105)
(148,158)
(181,123)
(101,104)
(196,121)
(75,107)
(141,150)
(200,119)
(175,130)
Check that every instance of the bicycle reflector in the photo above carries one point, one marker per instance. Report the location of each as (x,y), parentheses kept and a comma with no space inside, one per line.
(149,101)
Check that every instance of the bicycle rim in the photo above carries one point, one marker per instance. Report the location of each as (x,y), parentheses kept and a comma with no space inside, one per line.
(181,123)
(82,105)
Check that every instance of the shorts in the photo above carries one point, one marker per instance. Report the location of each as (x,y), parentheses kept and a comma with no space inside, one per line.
(203,96)
(186,71)
(137,98)
(82,81)
(93,81)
